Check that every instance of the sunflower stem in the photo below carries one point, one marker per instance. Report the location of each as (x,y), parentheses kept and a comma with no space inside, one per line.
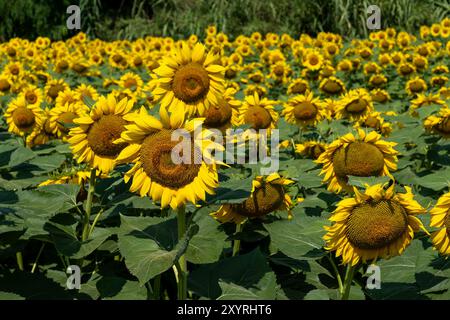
(88,209)
(348,281)
(157,287)
(338,275)
(237,242)
(182,264)
(19,259)
(37,258)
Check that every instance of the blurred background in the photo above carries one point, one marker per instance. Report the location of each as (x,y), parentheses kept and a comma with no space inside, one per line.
(129,19)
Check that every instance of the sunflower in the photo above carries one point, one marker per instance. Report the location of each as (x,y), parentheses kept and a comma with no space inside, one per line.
(5,84)
(268,195)
(225,114)
(332,86)
(92,140)
(440,218)
(375,224)
(311,149)
(438,81)
(304,110)
(53,88)
(21,116)
(439,124)
(258,113)
(251,89)
(312,60)
(378,80)
(423,100)
(415,86)
(380,95)
(132,82)
(298,86)
(354,105)
(375,121)
(154,172)
(33,95)
(189,80)
(61,118)
(86,90)
(41,133)
(363,156)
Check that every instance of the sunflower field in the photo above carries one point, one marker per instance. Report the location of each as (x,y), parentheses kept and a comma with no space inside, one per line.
(359,207)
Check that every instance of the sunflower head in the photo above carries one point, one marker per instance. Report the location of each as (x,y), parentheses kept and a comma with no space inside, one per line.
(440,218)
(268,195)
(259,113)
(22,117)
(304,110)
(363,156)
(92,140)
(378,223)
(189,79)
(355,104)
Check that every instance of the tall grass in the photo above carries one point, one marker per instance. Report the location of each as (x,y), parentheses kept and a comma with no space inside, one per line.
(180,18)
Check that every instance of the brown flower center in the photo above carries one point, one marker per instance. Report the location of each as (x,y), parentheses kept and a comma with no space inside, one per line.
(4,85)
(23,118)
(54,90)
(376,225)
(102,134)
(358,159)
(31,97)
(332,87)
(299,88)
(357,106)
(191,83)
(65,118)
(258,117)
(217,116)
(305,111)
(156,158)
(263,201)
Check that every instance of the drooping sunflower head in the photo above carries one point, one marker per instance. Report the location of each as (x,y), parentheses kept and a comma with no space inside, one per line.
(439,124)
(355,104)
(189,80)
(268,195)
(258,113)
(92,140)
(298,86)
(22,117)
(311,149)
(440,218)
(304,110)
(363,156)
(378,223)
(161,170)
(380,95)
(225,114)
(415,85)
(332,86)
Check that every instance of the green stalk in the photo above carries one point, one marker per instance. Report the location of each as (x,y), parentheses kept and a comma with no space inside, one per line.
(237,242)
(88,209)
(19,259)
(348,281)
(37,258)
(338,275)
(182,264)
(157,287)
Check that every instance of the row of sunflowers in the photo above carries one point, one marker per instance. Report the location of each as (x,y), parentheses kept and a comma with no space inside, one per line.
(87,175)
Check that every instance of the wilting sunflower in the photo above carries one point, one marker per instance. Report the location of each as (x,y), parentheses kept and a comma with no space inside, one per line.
(354,105)
(225,114)
(154,172)
(332,86)
(92,140)
(259,113)
(415,86)
(22,117)
(375,224)
(311,149)
(440,218)
(439,124)
(304,110)
(363,156)
(268,195)
(298,86)
(62,116)
(189,80)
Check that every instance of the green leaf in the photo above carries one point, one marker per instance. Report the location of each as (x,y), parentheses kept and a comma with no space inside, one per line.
(436,181)
(207,244)
(265,289)
(361,182)
(113,288)
(247,271)
(299,238)
(20,155)
(148,245)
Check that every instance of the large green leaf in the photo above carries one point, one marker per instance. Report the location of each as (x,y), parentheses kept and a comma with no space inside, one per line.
(149,245)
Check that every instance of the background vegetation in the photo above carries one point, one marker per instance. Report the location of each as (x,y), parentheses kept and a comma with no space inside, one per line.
(111,19)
